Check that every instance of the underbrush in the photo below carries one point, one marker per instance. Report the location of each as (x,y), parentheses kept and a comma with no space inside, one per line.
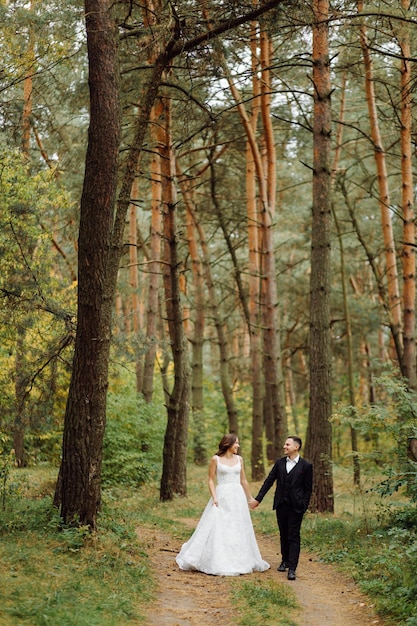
(380,553)
(67,576)
(56,575)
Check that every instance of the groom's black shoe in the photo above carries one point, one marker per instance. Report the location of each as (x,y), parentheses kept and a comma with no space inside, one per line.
(291,574)
(282,567)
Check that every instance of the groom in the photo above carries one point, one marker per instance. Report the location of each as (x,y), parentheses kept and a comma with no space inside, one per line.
(294,476)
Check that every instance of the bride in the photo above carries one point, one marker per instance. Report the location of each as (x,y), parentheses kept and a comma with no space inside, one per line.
(224,542)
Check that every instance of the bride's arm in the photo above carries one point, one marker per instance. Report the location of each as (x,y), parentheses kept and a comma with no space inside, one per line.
(244,483)
(212,479)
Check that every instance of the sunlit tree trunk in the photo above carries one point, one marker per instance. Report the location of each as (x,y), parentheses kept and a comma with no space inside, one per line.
(154,268)
(275,417)
(319,432)
(135,303)
(254,321)
(408,255)
(213,307)
(394,309)
(197,339)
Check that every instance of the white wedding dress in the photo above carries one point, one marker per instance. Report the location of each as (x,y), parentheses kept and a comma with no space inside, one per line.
(224,542)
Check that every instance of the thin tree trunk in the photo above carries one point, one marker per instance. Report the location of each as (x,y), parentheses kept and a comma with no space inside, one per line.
(174,470)
(408,254)
(394,309)
(214,311)
(134,278)
(19,425)
(343,278)
(154,268)
(275,416)
(253,317)
(19,422)
(319,432)
(197,396)
(290,396)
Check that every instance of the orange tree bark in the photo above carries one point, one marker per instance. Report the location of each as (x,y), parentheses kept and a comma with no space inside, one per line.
(274,412)
(394,308)
(212,303)
(197,335)
(135,300)
(266,397)
(253,314)
(154,267)
(408,255)
(319,431)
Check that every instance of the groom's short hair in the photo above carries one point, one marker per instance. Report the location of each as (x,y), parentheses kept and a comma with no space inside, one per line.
(296,440)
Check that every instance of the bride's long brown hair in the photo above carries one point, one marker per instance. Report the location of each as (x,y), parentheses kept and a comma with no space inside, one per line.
(225,443)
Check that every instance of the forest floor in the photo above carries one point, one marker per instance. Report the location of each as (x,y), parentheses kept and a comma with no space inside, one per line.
(325,596)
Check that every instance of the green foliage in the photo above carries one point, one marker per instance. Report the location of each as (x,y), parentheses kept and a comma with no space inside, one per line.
(6,462)
(133,440)
(264,602)
(391,421)
(67,576)
(43,447)
(37,298)
(380,554)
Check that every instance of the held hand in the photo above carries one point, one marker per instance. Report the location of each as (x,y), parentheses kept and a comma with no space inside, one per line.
(253,504)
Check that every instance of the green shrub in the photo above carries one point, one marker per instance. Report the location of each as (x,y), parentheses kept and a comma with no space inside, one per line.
(133,440)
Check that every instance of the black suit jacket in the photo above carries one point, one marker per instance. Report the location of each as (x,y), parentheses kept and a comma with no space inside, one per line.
(300,487)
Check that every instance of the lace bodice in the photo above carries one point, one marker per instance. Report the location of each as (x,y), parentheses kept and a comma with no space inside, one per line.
(228,474)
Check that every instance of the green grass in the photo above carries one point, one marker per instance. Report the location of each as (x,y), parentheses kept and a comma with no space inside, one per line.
(374,540)
(263,602)
(71,578)
(68,577)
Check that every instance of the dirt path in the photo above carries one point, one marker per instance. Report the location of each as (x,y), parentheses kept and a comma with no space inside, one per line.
(326,597)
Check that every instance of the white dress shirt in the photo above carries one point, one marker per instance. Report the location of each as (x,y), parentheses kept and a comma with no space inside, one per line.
(291,463)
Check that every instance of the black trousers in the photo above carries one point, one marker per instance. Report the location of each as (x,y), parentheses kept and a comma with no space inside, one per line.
(289,524)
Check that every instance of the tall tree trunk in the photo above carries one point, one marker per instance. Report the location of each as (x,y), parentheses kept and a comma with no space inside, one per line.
(319,432)
(350,368)
(155,255)
(211,302)
(274,406)
(343,278)
(197,396)
(78,490)
(254,271)
(174,470)
(394,309)
(134,278)
(214,310)
(100,248)
(225,376)
(408,254)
